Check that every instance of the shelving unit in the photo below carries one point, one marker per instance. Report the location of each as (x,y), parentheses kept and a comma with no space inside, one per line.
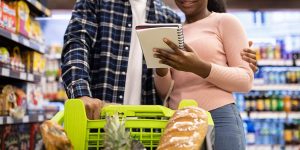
(270,115)
(21,40)
(38,8)
(277,63)
(10,73)
(6,120)
(283,87)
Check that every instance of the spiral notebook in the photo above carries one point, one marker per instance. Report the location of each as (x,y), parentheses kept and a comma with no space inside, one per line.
(151,36)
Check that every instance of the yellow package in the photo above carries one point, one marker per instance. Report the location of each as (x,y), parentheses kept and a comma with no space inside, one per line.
(36,31)
(32,61)
(23,19)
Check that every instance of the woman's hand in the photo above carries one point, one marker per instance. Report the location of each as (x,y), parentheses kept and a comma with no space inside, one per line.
(183,60)
(249,55)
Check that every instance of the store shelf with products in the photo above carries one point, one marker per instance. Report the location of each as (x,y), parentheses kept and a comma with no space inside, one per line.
(270,115)
(272,147)
(6,120)
(10,73)
(38,8)
(22,41)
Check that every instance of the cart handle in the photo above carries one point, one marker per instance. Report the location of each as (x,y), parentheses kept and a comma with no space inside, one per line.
(59,117)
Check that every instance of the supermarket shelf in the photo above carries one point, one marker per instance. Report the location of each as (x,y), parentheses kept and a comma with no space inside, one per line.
(272,147)
(287,87)
(270,115)
(9,73)
(287,63)
(22,41)
(38,8)
(4,120)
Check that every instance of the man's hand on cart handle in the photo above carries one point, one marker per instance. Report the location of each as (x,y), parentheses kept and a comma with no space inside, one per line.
(92,107)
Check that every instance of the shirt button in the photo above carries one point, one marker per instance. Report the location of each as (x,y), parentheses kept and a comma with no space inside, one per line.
(121,96)
(123,73)
(127,48)
(129,25)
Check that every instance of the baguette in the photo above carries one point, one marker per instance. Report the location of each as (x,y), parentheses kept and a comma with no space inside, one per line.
(186,130)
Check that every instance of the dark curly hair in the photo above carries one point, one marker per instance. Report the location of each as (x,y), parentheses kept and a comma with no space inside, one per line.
(216,6)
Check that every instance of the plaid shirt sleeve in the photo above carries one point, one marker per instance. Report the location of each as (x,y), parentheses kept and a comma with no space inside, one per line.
(79,39)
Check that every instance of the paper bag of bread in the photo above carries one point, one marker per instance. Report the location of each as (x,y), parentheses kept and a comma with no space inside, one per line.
(54,136)
(186,130)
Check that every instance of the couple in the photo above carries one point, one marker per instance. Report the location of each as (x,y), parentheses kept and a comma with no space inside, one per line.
(102,60)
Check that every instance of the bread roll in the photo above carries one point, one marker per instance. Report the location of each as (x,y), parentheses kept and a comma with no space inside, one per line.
(186,130)
(54,136)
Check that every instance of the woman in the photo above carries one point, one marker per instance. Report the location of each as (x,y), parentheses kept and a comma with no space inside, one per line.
(209,69)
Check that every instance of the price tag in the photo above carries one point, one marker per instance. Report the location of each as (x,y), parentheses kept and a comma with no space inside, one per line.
(1,121)
(40,118)
(23,76)
(30,77)
(9,120)
(26,119)
(14,37)
(26,42)
(5,72)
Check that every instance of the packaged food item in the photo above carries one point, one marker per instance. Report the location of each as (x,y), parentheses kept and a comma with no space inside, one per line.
(55,137)
(36,31)
(8,98)
(16,60)
(10,137)
(23,19)
(186,130)
(35,137)
(8,16)
(4,56)
(24,136)
(35,62)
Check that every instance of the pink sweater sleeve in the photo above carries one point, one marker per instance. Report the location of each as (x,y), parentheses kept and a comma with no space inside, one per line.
(238,77)
(162,84)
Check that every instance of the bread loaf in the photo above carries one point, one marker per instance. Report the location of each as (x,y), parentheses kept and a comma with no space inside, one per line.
(54,136)
(186,130)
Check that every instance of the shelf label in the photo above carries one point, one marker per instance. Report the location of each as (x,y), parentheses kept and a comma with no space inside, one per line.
(5,72)
(1,121)
(23,76)
(40,118)
(30,77)
(9,120)
(26,42)
(14,37)
(26,119)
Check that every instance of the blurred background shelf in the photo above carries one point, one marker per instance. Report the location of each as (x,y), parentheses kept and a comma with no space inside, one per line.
(22,41)
(268,87)
(20,75)
(38,8)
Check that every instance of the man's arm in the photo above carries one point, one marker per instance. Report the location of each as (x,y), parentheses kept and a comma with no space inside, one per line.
(79,39)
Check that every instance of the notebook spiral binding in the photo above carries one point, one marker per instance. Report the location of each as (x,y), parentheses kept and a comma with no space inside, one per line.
(180,37)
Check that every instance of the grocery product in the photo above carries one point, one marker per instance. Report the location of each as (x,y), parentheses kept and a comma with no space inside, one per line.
(4,56)
(54,136)
(8,99)
(8,16)
(35,62)
(23,19)
(186,130)
(10,136)
(36,31)
(24,136)
(16,60)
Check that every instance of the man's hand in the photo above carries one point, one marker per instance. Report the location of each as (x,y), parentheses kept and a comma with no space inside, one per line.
(92,107)
(249,56)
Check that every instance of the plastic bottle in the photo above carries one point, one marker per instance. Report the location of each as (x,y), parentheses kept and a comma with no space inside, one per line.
(250,136)
(274,102)
(287,103)
(267,101)
(280,101)
(260,102)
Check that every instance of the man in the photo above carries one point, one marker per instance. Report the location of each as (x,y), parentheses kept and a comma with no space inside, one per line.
(102,58)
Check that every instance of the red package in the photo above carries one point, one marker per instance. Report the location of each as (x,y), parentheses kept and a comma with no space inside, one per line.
(10,137)
(8,17)
(36,141)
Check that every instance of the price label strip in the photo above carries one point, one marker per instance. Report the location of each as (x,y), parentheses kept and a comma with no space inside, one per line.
(5,72)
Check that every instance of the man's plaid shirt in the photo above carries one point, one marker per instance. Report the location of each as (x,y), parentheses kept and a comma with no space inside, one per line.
(96,49)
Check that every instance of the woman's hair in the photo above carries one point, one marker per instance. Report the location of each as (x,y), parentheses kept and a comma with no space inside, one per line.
(216,6)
